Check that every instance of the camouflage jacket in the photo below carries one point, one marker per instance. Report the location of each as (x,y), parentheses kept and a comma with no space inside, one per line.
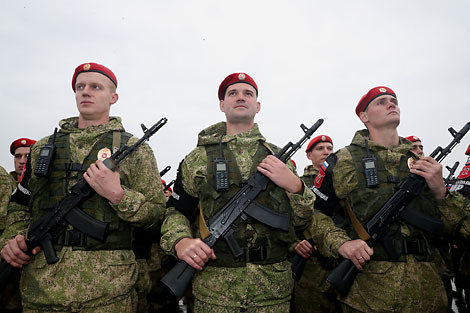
(7,185)
(252,285)
(383,285)
(92,278)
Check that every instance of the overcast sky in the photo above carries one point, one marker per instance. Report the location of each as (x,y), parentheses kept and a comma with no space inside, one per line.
(311,59)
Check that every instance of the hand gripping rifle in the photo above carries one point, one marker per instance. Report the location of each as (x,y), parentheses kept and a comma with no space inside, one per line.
(67,211)
(242,204)
(342,277)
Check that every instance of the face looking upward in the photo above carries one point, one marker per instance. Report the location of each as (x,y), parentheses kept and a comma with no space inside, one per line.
(382,112)
(240,103)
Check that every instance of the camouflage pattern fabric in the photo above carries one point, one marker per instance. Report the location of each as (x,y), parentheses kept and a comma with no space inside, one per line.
(10,297)
(91,279)
(240,287)
(383,286)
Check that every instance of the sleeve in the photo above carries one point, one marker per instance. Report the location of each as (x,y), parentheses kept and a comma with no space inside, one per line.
(143,202)
(455,215)
(182,207)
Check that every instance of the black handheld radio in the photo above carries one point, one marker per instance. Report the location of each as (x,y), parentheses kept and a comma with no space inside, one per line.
(221,171)
(46,155)
(370,169)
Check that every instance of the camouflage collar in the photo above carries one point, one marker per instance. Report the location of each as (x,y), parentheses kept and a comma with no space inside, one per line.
(70,125)
(310,170)
(359,137)
(211,135)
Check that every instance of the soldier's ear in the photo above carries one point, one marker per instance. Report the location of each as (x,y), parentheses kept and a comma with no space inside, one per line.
(221,105)
(364,117)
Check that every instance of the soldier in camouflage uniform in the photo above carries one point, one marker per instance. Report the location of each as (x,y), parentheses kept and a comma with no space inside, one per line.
(261,280)
(312,292)
(411,283)
(20,149)
(10,297)
(90,276)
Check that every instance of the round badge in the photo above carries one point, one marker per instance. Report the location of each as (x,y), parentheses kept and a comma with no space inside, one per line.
(323,138)
(86,67)
(382,90)
(23,142)
(103,154)
(410,162)
(241,76)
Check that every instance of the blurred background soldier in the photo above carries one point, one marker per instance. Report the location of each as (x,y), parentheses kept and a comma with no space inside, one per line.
(20,149)
(10,297)
(417,145)
(312,292)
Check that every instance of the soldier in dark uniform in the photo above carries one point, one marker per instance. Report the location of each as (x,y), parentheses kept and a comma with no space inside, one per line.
(312,292)
(461,253)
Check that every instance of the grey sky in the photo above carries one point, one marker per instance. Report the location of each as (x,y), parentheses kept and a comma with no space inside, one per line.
(310,59)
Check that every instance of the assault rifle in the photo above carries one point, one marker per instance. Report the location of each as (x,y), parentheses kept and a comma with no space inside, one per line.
(165,170)
(241,205)
(67,211)
(451,172)
(342,277)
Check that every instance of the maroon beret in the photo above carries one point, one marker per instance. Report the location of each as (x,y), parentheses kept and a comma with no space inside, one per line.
(371,95)
(233,79)
(314,141)
(293,162)
(22,142)
(413,138)
(93,67)
(468,150)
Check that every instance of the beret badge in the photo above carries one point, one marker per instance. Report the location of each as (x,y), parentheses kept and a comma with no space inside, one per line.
(241,76)
(86,67)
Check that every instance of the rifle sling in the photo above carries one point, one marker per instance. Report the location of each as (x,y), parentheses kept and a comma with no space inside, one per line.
(203,229)
(360,230)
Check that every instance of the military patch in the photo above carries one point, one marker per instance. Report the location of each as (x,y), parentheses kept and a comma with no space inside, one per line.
(321,174)
(465,173)
(410,162)
(103,154)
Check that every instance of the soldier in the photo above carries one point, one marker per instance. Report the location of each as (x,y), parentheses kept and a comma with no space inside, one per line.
(10,297)
(417,145)
(20,149)
(89,276)
(312,292)
(410,283)
(261,280)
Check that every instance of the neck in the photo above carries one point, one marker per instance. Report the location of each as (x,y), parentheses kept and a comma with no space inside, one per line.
(83,122)
(386,137)
(238,128)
